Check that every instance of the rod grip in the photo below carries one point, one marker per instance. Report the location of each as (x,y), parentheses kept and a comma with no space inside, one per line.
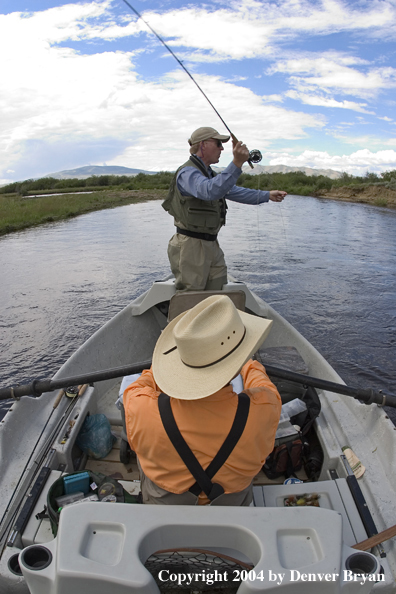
(58,398)
(235,139)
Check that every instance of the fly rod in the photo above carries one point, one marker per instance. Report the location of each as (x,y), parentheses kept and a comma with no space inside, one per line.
(254,155)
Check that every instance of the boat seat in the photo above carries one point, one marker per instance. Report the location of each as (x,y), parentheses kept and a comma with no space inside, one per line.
(101,548)
(181,302)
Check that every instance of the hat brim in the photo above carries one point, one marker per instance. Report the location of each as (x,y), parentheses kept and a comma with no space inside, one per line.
(220,137)
(190,383)
(203,134)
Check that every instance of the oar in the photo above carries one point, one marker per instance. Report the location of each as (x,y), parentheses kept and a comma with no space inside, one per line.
(366,395)
(38,387)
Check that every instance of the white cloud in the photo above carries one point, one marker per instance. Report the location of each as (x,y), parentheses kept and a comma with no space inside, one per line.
(182,111)
(356,163)
(365,140)
(52,94)
(251,28)
(333,73)
(327,102)
(237,30)
(55,94)
(272,98)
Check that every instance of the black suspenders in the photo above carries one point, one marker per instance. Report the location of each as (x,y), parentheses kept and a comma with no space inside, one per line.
(203,477)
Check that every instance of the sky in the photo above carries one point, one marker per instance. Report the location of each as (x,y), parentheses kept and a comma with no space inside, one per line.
(308,83)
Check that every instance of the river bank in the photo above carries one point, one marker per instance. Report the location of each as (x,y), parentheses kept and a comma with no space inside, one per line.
(375,195)
(22,212)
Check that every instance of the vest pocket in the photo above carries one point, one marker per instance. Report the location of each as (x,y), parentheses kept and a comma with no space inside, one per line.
(203,218)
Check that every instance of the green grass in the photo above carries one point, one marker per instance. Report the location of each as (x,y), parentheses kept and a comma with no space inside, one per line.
(380,202)
(21,212)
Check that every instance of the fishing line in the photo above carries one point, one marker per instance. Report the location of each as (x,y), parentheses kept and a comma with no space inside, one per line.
(258,215)
(283,225)
(254,155)
(258,219)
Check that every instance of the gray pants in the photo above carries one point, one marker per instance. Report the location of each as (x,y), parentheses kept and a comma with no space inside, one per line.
(153,494)
(197,265)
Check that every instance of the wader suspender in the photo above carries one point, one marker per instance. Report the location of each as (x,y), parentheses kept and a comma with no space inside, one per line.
(203,477)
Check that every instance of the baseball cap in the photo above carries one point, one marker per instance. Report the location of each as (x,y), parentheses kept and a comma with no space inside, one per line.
(204,134)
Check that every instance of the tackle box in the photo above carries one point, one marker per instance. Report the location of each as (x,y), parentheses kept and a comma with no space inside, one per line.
(76,482)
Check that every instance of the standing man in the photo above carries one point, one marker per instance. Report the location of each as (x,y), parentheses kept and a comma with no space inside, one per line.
(197,202)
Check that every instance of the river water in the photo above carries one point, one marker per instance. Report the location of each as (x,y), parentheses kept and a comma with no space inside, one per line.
(328,267)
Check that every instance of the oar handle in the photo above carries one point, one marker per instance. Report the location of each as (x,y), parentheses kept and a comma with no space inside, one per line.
(38,387)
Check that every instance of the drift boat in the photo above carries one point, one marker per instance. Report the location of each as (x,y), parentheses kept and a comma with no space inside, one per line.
(124,548)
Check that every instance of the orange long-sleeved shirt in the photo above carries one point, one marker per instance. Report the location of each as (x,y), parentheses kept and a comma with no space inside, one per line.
(204,424)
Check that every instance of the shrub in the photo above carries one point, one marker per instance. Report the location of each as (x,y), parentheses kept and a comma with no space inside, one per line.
(389,176)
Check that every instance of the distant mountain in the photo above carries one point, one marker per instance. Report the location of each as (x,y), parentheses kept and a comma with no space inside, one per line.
(286,169)
(90,170)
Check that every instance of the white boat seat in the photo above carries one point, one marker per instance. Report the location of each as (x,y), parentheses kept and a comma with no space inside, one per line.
(102,548)
(181,302)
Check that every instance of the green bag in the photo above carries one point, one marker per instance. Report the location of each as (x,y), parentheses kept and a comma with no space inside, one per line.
(57,490)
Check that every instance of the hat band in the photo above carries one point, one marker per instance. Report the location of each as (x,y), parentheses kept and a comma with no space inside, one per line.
(218,360)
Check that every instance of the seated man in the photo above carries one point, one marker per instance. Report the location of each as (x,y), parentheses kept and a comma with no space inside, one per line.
(195,358)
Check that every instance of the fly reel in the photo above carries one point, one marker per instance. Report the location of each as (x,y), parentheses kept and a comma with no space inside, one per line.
(255,156)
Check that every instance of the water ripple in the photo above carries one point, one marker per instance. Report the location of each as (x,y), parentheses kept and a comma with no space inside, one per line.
(328,267)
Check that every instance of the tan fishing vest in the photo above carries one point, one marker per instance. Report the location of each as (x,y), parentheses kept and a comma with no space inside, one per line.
(194,214)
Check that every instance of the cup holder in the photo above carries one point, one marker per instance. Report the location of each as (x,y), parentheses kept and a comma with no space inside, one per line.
(13,565)
(361,563)
(36,557)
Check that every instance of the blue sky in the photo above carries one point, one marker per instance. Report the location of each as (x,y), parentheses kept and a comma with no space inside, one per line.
(86,83)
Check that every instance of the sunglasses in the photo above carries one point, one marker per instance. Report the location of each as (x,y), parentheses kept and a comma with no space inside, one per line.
(218,142)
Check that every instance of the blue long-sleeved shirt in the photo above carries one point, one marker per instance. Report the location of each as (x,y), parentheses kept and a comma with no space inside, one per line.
(191,182)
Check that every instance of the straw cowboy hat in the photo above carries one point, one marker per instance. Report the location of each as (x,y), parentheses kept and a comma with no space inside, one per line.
(201,350)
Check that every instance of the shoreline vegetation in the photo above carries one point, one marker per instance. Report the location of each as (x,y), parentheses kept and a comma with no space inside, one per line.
(21,208)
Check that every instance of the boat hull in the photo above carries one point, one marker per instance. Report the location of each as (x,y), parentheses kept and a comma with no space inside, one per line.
(130,337)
